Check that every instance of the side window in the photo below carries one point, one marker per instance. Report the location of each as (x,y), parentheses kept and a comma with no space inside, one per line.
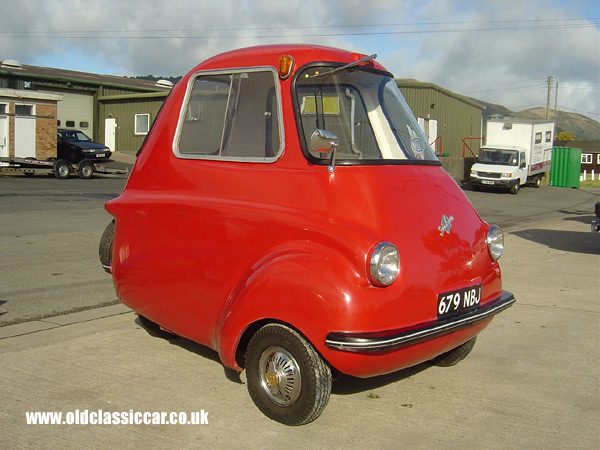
(538,138)
(231,116)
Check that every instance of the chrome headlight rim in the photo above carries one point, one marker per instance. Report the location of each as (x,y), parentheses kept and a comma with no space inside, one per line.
(495,242)
(384,264)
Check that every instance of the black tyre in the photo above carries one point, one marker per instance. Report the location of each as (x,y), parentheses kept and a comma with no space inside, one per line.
(514,189)
(287,379)
(537,182)
(62,169)
(455,356)
(106,246)
(85,170)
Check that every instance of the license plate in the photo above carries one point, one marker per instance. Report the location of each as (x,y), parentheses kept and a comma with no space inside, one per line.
(100,155)
(486,182)
(456,302)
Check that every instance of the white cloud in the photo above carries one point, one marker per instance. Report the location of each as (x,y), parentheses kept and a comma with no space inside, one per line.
(511,66)
(126,37)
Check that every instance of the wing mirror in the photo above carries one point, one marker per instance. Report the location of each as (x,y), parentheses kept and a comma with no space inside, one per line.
(323,141)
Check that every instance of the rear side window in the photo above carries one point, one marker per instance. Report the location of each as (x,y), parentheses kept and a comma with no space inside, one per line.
(232,116)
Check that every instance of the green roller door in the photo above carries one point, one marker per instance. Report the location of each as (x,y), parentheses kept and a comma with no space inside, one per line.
(566,167)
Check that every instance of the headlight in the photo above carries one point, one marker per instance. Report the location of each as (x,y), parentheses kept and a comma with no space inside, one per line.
(474,173)
(507,175)
(495,242)
(384,264)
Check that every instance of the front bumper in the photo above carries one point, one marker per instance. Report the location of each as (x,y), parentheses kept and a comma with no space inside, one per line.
(386,341)
(493,182)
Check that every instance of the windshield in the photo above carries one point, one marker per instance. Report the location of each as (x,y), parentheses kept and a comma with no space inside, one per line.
(366,111)
(497,156)
(73,136)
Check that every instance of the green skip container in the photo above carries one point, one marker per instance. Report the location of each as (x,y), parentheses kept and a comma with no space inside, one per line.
(566,167)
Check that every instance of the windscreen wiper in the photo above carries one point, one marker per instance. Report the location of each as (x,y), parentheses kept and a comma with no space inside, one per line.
(347,66)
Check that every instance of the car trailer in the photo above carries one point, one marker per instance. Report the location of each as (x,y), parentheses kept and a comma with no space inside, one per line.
(61,168)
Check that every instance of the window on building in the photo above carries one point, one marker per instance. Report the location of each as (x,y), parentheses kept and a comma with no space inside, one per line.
(598,158)
(142,123)
(70,123)
(3,108)
(586,158)
(84,125)
(548,136)
(24,110)
(538,138)
(232,116)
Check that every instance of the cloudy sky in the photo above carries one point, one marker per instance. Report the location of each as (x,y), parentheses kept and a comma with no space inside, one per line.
(500,51)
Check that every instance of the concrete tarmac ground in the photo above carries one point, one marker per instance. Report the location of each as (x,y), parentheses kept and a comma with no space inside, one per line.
(532,380)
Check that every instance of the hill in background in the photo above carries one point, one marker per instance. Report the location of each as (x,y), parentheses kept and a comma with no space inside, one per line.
(580,126)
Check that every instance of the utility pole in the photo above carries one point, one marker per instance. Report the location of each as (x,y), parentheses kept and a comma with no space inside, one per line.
(556,103)
(549,92)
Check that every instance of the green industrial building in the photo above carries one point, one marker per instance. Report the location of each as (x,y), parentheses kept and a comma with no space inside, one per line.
(116,111)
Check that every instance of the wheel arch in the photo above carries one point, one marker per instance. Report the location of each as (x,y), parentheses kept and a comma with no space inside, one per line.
(278,292)
(244,340)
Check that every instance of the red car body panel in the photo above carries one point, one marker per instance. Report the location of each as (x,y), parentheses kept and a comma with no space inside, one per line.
(209,248)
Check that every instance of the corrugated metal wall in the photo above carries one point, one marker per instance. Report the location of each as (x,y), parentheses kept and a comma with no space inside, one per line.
(124,111)
(457,118)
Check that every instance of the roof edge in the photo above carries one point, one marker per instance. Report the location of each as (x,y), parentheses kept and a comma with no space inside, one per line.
(404,82)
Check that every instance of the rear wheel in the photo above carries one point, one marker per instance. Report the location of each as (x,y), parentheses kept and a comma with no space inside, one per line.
(287,379)
(455,356)
(85,170)
(154,328)
(106,246)
(537,181)
(62,169)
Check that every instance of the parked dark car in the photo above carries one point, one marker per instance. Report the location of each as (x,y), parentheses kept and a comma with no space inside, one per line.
(75,146)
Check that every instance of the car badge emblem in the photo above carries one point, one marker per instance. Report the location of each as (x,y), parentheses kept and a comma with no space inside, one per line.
(446,224)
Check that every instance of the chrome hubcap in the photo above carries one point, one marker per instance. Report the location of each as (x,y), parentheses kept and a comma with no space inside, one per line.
(280,376)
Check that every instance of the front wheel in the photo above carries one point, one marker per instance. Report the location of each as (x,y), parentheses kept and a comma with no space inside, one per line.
(287,379)
(514,189)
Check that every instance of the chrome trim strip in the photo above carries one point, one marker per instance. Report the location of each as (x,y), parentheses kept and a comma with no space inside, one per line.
(354,343)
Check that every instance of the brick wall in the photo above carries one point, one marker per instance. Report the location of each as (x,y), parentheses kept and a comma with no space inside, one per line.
(45,127)
(45,131)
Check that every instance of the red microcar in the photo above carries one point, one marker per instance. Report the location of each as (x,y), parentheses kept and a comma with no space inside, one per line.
(286,211)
